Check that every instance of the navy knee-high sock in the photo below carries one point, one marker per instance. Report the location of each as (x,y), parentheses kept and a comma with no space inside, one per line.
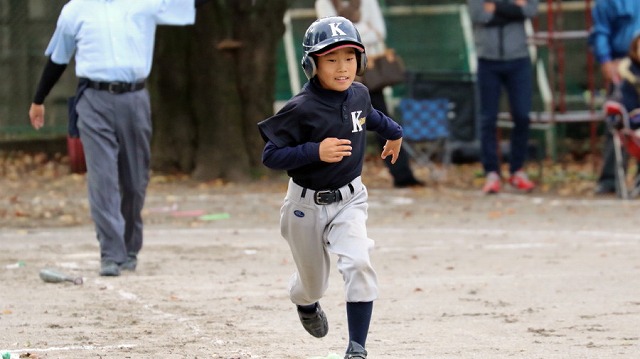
(358,319)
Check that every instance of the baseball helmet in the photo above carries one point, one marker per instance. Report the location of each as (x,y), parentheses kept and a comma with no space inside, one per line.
(327,34)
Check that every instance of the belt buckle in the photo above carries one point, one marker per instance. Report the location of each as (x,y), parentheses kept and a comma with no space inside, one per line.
(114,87)
(322,197)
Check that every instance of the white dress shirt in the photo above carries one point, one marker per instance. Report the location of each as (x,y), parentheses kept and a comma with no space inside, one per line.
(113,39)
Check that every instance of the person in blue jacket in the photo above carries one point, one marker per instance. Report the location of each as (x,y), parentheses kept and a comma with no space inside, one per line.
(614,24)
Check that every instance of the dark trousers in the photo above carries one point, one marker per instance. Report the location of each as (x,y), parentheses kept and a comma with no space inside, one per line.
(516,78)
(607,178)
(400,171)
(116,133)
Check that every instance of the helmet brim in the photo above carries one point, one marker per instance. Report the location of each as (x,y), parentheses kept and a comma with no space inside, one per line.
(330,44)
(339,46)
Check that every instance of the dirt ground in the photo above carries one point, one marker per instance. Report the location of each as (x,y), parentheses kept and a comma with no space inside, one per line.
(462,275)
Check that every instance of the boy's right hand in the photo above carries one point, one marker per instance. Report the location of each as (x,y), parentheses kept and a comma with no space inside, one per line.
(333,149)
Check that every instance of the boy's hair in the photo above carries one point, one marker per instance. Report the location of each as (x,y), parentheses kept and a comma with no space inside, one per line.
(327,34)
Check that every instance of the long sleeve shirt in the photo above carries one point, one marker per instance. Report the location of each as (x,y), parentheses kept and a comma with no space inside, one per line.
(113,40)
(293,135)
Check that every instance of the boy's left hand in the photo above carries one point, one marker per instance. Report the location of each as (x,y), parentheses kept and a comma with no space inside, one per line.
(392,147)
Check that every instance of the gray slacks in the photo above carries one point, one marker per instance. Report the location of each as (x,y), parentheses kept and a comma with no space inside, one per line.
(115,130)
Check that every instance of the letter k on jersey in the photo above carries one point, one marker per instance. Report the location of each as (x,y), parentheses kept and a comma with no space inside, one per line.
(357,122)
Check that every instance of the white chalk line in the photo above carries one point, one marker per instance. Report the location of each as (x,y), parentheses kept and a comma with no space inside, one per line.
(165,315)
(274,229)
(68,348)
(484,238)
(613,238)
(475,232)
(188,322)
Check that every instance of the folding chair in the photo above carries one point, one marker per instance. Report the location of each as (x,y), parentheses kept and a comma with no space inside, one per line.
(626,141)
(426,130)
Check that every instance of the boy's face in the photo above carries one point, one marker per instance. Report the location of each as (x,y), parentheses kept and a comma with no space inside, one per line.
(337,69)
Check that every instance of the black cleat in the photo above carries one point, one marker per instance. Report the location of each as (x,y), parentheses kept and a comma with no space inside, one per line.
(603,189)
(410,183)
(355,351)
(314,323)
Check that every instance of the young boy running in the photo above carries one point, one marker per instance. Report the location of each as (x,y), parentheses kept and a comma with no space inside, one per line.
(318,138)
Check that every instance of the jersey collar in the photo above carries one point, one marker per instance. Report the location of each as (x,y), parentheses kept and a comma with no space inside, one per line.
(328,96)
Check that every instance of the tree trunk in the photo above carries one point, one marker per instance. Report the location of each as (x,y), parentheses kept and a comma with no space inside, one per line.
(211,84)
(258,61)
(174,133)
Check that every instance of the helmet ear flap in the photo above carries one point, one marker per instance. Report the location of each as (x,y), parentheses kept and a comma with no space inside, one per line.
(309,66)
(362,64)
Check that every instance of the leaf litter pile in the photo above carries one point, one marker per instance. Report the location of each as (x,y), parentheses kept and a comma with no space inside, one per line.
(38,189)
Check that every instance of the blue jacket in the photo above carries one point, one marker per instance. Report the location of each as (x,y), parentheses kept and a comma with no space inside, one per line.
(615,22)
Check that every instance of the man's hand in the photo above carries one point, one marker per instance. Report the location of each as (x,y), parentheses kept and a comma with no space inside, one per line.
(392,147)
(36,115)
(610,71)
(334,149)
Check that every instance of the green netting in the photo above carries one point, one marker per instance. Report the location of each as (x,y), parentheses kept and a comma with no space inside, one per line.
(428,34)
(428,41)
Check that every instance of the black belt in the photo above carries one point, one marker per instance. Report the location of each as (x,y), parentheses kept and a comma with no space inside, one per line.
(327,196)
(116,87)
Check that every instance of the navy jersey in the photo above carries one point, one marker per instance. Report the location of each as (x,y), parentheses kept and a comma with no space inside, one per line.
(293,135)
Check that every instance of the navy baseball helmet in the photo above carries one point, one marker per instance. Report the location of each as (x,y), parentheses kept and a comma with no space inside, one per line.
(328,34)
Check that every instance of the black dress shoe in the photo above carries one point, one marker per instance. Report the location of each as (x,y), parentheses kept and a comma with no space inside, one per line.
(109,268)
(604,189)
(130,264)
(409,183)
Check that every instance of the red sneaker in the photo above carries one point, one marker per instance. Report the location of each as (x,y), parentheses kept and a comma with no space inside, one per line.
(492,183)
(521,182)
